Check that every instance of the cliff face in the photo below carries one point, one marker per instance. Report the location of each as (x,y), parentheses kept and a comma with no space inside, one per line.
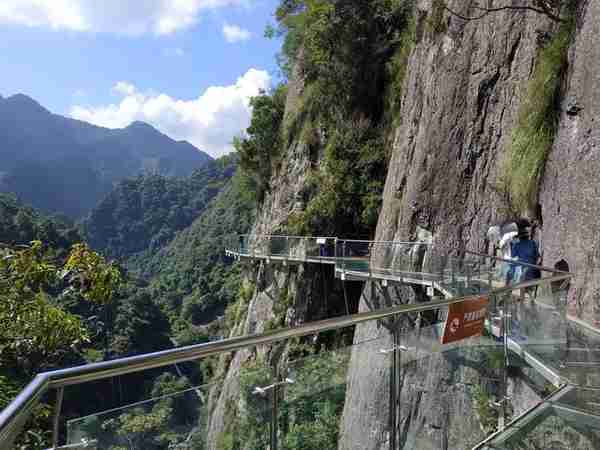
(462,96)
(465,83)
(285,294)
(570,194)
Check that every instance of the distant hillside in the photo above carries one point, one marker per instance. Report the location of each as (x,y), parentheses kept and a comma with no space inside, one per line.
(64,165)
(20,224)
(193,279)
(141,215)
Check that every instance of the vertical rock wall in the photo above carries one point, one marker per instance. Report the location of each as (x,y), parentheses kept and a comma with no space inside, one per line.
(311,290)
(570,194)
(462,94)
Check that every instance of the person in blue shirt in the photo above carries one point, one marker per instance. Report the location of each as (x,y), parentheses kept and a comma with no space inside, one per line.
(525,250)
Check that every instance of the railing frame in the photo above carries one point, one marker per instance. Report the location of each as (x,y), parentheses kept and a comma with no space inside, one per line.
(13,417)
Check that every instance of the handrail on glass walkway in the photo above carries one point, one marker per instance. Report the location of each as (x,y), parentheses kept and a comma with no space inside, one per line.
(449,271)
(13,417)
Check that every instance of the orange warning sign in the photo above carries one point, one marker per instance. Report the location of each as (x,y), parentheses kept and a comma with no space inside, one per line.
(465,319)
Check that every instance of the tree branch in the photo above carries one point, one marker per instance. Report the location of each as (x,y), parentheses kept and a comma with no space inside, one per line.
(543,9)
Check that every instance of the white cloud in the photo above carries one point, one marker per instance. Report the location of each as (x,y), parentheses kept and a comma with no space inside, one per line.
(209,122)
(234,33)
(124,88)
(133,17)
(80,93)
(177,51)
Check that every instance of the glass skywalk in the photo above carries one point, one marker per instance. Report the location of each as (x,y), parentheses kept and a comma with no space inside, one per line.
(528,343)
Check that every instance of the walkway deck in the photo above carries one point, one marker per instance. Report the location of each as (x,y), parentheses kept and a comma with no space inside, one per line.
(359,269)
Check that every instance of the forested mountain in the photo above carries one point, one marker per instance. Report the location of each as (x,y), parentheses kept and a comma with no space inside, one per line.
(193,279)
(20,224)
(64,165)
(143,214)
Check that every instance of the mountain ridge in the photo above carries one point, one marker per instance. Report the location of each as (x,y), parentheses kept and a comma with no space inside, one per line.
(46,156)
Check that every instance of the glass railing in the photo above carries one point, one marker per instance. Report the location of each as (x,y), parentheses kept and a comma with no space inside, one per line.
(569,419)
(168,420)
(445,271)
(299,248)
(455,373)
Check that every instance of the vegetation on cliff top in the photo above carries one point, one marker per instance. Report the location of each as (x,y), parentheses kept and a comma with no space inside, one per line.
(352,58)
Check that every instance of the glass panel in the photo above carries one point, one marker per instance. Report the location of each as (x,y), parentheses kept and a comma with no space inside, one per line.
(314,391)
(540,326)
(559,423)
(278,246)
(452,394)
(179,420)
(171,420)
(249,416)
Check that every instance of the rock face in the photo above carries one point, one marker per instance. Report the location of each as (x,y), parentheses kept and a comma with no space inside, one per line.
(279,202)
(311,292)
(570,194)
(462,93)
(461,99)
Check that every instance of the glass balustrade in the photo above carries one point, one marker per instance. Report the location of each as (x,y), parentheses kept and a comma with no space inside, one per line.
(528,375)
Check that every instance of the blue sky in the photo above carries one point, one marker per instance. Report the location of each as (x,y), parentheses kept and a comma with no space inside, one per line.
(175,65)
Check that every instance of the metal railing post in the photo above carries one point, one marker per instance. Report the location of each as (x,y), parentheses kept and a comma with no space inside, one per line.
(490,285)
(275,408)
(504,389)
(305,249)
(395,386)
(369,260)
(56,420)
(344,261)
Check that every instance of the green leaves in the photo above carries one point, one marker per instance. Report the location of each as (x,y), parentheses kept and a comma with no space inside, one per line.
(260,149)
(92,275)
(348,183)
(141,215)
(34,331)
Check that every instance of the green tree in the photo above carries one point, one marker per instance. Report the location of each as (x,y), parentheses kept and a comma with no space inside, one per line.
(260,148)
(36,333)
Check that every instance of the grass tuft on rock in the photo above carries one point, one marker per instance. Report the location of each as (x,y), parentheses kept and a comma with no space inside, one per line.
(537,123)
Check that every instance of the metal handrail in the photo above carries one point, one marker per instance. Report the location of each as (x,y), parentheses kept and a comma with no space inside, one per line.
(287,236)
(514,262)
(414,243)
(13,417)
(364,241)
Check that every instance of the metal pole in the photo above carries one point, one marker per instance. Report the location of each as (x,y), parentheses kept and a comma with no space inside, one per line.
(393,397)
(344,260)
(490,277)
(369,260)
(398,382)
(275,408)
(56,422)
(504,388)
(396,386)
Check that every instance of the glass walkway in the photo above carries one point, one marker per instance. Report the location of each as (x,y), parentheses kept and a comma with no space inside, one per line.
(529,378)
(416,263)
